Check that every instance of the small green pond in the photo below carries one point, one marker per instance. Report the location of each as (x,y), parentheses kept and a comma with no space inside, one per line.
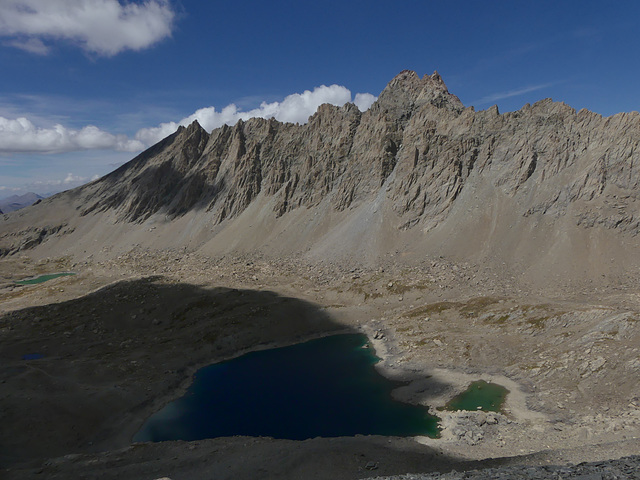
(42,278)
(480,395)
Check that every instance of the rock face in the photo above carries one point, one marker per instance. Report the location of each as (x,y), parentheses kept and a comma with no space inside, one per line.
(341,155)
(416,161)
(418,138)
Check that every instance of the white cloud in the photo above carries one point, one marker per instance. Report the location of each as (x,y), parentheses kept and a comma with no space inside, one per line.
(105,27)
(295,108)
(71,178)
(55,185)
(21,136)
(32,45)
(364,101)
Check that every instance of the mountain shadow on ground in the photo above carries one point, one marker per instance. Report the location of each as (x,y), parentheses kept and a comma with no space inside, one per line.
(113,357)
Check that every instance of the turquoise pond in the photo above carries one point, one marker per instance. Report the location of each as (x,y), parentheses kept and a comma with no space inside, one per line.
(321,388)
(480,395)
(42,278)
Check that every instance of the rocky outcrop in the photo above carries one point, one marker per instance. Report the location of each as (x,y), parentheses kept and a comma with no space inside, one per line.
(29,238)
(417,142)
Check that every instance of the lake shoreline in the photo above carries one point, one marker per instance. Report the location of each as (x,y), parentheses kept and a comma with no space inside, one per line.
(329,381)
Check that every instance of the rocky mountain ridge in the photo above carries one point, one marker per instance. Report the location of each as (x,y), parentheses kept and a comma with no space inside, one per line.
(416,130)
(417,162)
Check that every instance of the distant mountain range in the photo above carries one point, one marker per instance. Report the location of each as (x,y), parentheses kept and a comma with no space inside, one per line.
(16,202)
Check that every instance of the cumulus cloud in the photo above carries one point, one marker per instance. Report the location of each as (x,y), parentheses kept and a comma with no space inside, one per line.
(364,101)
(105,27)
(295,108)
(22,136)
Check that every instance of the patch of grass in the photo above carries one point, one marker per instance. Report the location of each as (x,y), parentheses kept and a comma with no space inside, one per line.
(473,306)
(539,315)
(15,293)
(372,295)
(367,293)
(531,308)
(399,288)
(431,309)
(537,323)
(366,287)
(530,366)
(496,319)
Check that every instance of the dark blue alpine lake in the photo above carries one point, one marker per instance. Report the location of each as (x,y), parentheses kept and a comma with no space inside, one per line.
(321,388)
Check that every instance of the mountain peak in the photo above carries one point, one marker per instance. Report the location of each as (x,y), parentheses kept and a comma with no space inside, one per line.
(435,77)
(192,128)
(406,80)
(407,91)
(409,80)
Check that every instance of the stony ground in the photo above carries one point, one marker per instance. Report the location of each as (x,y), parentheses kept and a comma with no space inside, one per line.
(624,468)
(122,337)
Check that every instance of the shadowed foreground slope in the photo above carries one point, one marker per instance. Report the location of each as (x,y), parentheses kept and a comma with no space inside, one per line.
(111,358)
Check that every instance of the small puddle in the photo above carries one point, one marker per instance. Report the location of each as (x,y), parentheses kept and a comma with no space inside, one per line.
(322,388)
(42,278)
(480,395)
(32,356)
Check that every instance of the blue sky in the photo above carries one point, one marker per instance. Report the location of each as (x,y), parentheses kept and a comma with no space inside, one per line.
(86,84)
